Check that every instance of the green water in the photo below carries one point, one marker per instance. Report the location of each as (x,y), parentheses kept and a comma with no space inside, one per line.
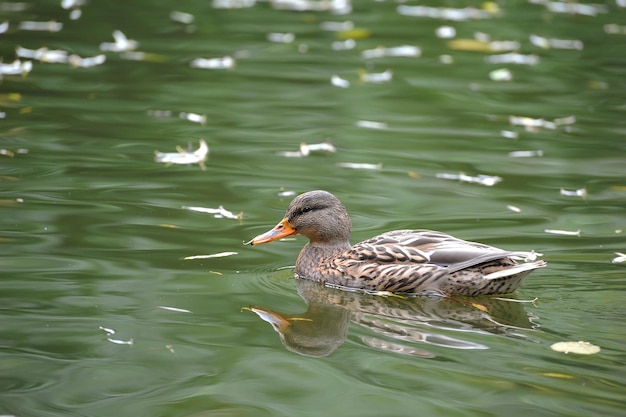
(93,231)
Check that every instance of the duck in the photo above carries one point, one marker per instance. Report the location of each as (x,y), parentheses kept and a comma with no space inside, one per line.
(417,262)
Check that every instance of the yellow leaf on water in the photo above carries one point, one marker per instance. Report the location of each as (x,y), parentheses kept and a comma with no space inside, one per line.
(356,33)
(556,375)
(469,45)
(491,7)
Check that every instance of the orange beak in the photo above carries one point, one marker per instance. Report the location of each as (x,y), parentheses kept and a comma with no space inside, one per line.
(282,229)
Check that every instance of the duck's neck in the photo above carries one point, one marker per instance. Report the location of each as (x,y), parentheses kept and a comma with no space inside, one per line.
(314,261)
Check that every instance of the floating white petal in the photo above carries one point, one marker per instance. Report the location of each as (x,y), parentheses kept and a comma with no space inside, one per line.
(582,348)
(184,157)
(619,258)
(213,255)
(226,62)
(563,232)
(176,309)
(487,180)
(219,212)
(581,192)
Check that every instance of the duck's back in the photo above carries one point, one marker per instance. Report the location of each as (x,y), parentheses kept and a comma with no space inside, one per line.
(421,261)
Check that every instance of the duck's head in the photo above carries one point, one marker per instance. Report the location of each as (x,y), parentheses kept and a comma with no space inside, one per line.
(318,215)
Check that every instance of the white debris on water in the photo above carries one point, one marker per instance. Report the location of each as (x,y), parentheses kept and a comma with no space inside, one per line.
(581,192)
(487,180)
(121,43)
(213,255)
(226,62)
(563,232)
(183,156)
(218,213)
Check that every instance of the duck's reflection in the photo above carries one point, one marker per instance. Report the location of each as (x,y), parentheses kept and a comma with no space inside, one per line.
(397,323)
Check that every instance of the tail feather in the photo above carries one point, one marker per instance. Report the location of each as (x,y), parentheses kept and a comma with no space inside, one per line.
(517,269)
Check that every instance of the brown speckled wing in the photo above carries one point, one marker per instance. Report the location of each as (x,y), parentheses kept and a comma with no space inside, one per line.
(413,260)
(423,246)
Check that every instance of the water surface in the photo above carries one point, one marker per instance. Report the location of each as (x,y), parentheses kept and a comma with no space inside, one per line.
(101,313)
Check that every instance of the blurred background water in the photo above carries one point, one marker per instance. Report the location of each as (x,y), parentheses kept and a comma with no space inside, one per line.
(501,122)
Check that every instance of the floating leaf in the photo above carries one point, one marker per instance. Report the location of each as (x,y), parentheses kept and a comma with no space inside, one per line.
(176,309)
(563,232)
(580,347)
(184,157)
(218,213)
(619,258)
(214,255)
(556,375)
(356,33)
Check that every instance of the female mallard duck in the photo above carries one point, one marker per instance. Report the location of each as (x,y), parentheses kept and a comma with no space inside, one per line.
(401,261)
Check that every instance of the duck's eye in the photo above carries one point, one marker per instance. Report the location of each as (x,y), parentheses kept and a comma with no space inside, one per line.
(306,209)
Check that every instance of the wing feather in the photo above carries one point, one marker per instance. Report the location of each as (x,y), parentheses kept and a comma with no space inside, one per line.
(424,247)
